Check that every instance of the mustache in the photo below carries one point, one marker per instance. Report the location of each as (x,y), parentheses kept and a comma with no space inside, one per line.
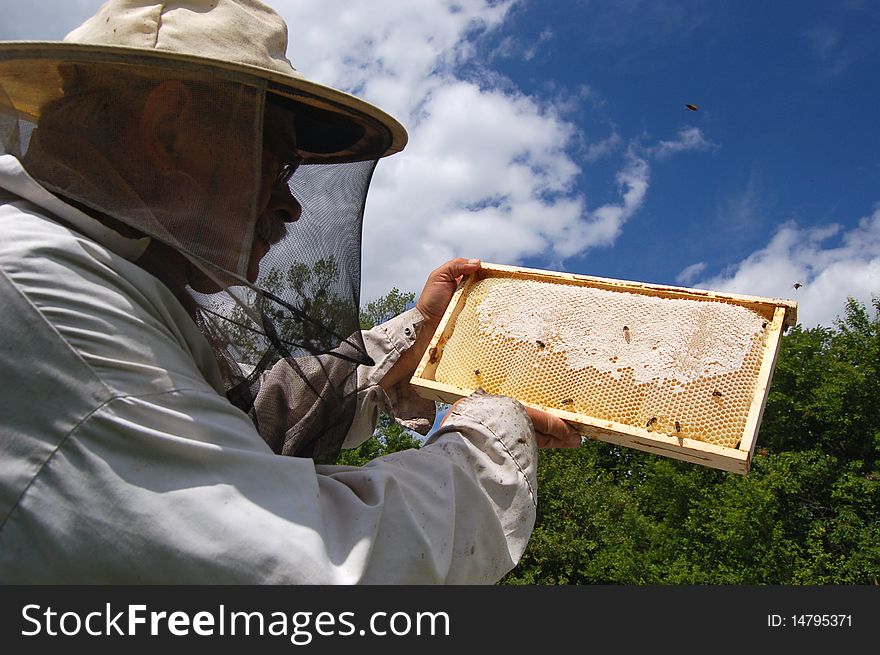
(271,228)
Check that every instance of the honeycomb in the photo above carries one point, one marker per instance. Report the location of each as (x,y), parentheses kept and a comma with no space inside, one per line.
(677,366)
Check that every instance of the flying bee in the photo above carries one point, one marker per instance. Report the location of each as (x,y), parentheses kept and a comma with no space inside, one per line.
(626,334)
(651,421)
(691,107)
(540,343)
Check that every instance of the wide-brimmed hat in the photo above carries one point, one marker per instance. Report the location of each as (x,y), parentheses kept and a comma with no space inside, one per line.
(242,40)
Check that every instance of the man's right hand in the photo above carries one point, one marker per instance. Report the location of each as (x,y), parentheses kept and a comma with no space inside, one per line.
(551,431)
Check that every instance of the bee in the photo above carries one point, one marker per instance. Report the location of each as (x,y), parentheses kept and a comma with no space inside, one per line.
(764,325)
(432,356)
(651,421)
(692,107)
(717,393)
(677,426)
(540,343)
(477,372)
(566,401)
(797,285)
(626,334)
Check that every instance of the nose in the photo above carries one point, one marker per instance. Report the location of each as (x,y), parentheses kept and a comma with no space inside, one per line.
(283,206)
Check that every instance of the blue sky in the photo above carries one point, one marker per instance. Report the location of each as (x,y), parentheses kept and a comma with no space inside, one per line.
(786,98)
(555,135)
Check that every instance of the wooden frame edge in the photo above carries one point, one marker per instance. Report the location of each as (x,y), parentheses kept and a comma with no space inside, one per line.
(762,384)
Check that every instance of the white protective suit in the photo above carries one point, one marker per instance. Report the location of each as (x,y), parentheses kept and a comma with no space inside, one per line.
(122,462)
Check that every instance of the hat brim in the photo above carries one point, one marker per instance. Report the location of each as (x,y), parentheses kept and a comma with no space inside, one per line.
(333,126)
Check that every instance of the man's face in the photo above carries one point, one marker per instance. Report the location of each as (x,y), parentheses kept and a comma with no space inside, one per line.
(276,206)
(208,193)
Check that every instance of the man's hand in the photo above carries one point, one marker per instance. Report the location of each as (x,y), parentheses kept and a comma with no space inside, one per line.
(441,284)
(551,431)
(432,304)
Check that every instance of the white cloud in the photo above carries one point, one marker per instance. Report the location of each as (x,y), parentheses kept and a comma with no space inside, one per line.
(531,51)
(691,273)
(830,264)
(744,210)
(389,52)
(599,149)
(512,48)
(835,51)
(688,138)
(605,223)
(488,171)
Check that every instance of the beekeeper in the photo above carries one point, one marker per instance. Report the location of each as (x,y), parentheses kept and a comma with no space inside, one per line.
(179,276)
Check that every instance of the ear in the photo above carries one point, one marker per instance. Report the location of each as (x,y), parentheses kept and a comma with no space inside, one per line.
(161,123)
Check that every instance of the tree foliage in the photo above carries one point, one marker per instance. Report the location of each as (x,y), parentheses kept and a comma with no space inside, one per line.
(389,436)
(312,286)
(388,306)
(321,312)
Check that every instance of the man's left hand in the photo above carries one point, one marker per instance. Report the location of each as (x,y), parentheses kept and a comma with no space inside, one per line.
(441,284)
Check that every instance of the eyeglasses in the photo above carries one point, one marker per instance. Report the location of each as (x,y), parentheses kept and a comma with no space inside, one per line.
(288,168)
(281,144)
(279,139)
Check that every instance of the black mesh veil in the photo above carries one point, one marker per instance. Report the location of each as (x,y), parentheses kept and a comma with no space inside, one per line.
(237,209)
(298,354)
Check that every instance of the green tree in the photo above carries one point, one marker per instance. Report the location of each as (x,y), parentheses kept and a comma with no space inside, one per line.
(389,436)
(388,306)
(326,316)
(322,317)
(824,391)
(313,285)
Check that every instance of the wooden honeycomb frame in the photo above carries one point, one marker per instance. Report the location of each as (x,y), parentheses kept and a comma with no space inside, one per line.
(778,315)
